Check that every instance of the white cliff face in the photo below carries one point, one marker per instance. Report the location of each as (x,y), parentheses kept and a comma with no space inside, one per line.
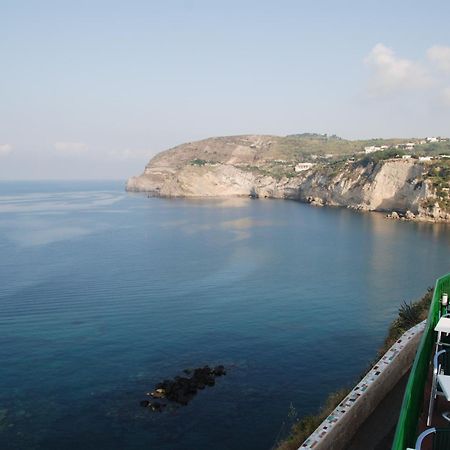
(219,180)
(210,181)
(217,167)
(396,186)
(387,186)
(244,166)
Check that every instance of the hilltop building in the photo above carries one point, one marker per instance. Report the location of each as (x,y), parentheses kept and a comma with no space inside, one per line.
(300,167)
(372,149)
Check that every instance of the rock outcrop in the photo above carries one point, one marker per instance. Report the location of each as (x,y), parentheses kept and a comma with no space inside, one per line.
(181,390)
(258,166)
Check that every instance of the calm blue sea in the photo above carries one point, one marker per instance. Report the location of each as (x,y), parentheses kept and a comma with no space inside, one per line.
(103,294)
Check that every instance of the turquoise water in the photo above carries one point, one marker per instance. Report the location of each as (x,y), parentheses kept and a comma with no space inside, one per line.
(103,294)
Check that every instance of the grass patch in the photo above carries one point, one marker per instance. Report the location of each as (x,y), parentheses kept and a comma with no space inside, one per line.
(198,162)
(376,157)
(409,314)
(302,428)
(276,171)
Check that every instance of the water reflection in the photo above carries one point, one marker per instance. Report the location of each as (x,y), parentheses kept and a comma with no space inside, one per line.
(233,202)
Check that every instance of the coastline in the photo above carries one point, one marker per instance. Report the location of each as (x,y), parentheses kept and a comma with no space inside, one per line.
(412,188)
(406,216)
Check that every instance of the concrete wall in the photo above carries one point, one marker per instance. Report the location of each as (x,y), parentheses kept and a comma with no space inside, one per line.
(337,430)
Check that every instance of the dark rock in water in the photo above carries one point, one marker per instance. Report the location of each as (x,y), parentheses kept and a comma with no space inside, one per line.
(181,390)
(219,371)
(182,399)
(182,380)
(157,393)
(156,406)
(192,390)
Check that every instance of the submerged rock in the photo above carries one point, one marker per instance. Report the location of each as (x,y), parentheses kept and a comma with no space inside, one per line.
(219,371)
(158,407)
(181,390)
(154,406)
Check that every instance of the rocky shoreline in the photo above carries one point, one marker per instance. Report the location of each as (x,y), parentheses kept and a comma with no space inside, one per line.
(422,216)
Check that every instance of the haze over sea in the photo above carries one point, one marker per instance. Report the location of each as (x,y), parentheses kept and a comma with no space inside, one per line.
(104,294)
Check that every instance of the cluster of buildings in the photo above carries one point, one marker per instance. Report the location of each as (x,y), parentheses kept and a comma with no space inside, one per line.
(421,158)
(408,146)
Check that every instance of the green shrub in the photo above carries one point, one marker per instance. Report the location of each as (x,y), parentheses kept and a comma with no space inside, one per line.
(198,162)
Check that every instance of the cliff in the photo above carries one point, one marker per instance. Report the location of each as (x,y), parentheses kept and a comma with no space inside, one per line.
(276,167)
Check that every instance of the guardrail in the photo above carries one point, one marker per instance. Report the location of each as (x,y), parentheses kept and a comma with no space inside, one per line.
(406,431)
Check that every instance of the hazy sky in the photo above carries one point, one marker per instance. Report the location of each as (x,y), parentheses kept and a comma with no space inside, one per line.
(93,89)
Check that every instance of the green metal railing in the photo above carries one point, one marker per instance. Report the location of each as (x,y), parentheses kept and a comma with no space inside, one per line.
(406,432)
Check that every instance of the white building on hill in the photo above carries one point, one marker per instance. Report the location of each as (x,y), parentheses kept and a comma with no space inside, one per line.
(300,167)
(372,149)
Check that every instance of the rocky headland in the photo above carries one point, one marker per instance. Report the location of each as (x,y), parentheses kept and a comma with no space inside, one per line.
(316,169)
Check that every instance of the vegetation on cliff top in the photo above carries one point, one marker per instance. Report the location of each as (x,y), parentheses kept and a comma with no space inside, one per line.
(302,146)
(439,176)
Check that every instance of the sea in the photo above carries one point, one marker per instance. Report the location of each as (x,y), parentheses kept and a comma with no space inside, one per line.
(104,294)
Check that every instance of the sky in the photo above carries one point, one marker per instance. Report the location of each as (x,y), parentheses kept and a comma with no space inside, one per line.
(93,89)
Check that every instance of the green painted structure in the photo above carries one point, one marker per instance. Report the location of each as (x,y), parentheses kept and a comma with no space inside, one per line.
(406,431)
